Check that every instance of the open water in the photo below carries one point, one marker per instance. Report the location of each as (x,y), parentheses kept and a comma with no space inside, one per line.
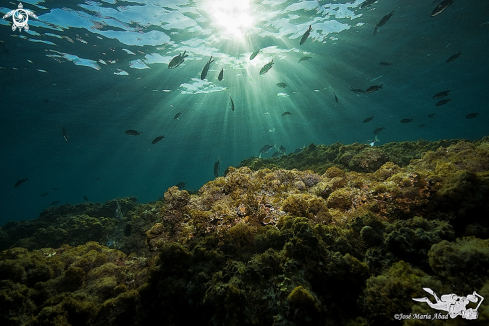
(99,68)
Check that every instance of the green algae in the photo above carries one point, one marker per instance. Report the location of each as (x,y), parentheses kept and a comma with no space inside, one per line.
(313,244)
(354,157)
(65,286)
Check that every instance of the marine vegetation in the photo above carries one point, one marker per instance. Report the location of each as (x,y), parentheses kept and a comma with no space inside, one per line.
(83,285)
(350,241)
(117,223)
(319,158)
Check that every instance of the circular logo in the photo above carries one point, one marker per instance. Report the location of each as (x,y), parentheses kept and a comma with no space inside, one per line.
(20,17)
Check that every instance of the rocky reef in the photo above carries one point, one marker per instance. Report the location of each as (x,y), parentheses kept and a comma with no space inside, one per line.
(334,235)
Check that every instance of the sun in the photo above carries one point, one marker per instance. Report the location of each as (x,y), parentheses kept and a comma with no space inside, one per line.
(232,16)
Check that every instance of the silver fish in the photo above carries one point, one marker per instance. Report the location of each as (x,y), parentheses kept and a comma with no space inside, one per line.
(306,35)
(442,6)
(21,181)
(254,54)
(305,58)
(367,3)
(372,89)
(131,132)
(383,21)
(157,139)
(266,68)
(368,119)
(441,94)
(65,135)
(176,61)
(265,149)
(443,102)
(217,168)
(206,69)
(453,57)
(472,115)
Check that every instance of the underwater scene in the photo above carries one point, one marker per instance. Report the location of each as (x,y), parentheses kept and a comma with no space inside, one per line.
(244,162)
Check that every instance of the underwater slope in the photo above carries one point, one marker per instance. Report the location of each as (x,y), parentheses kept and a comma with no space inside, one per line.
(264,247)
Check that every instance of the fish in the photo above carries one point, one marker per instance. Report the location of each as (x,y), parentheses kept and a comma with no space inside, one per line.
(177,115)
(232,103)
(180,185)
(157,139)
(283,85)
(97,179)
(422,125)
(266,68)
(282,149)
(384,20)
(368,119)
(366,3)
(375,140)
(299,150)
(217,168)
(254,54)
(306,35)
(54,188)
(277,154)
(379,129)
(356,90)
(54,203)
(431,115)
(118,211)
(176,61)
(471,115)
(383,63)
(203,74)
(131,132)
(453,57)
(376,78)
(374,88)
(406,120)
(441,94)
(65,135)
(442,6)
(85,198)
(286,113)
(335,97)
(442,102)
(221,75)
(21,181)
(44,194)
(305,58)
(265,149)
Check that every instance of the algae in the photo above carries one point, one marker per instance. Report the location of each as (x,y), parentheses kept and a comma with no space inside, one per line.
(334,235)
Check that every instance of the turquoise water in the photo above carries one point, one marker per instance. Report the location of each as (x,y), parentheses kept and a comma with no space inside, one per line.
(100,68)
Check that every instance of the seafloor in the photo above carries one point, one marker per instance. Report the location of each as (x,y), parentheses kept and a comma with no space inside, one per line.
(333,235)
